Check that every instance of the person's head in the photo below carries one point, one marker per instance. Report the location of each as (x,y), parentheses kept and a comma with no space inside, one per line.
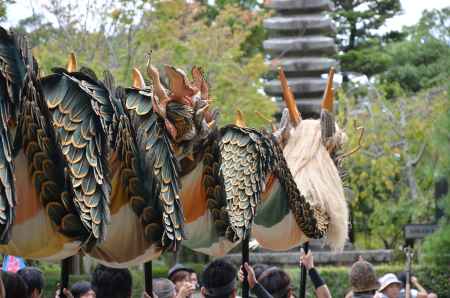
(180,275)
(363,278)
(402,278)
(15,286)
(82,289)
(390,285)
(219,280)
(163,288)
(179,278)
(111,283)
(34,281)
(260,268)
(194,279)
(276,282)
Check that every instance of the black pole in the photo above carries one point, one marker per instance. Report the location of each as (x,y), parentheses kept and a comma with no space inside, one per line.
(245,259)
(302,293)
(65,267)
(148,278)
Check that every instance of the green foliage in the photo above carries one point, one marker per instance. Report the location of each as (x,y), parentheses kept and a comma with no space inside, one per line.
(435,23)
(234,79)
(213,9)
(358,19)
(3,5)
(417,65)
(177,34)
(416,58)
(436,248)
(370,60)
(440,140)
(337,278)
(392,175)
(356,22)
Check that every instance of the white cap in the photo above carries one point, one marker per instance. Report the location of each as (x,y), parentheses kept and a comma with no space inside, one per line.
(387,280)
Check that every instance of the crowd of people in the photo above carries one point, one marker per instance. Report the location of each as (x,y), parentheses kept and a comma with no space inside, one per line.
(219,279)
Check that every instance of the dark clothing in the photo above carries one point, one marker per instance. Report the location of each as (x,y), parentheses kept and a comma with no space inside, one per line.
(362,295)
(259,291)
(315,278)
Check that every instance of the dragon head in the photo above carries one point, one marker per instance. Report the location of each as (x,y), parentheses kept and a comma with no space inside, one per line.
(313,151)
(183,106)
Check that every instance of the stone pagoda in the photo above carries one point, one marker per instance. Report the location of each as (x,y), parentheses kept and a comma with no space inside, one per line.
(301,39)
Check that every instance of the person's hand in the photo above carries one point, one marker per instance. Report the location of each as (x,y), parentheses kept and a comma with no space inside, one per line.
(378,295)
(186,290)
(145,295)
(250,275)
(66,292)
(307,260)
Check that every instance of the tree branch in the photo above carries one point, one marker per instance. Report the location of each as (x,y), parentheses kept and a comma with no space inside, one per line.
(416,160)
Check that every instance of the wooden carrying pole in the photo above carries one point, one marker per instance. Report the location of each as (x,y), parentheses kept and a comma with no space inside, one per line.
(148,278)
(245,259)
(302,293)
(64,282)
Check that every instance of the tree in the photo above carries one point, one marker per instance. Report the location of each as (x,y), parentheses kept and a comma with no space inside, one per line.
(3,5)
(392,176)
(357,21)
(186,40)
(423,59)
(417,65)
(253,43)
(175,31)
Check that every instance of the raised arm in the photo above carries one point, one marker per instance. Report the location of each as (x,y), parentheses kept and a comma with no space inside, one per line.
(322,290)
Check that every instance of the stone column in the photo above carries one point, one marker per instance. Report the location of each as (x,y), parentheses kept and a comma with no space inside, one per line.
(301,40)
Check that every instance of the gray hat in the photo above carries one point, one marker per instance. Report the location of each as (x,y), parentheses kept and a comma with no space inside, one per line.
(178,267)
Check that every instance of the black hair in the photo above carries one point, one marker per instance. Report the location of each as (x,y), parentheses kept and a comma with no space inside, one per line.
(402,277)
(111,283)
(80,288)
(15,286)
(217,274)
(33,278)
(259,269)
(276,282)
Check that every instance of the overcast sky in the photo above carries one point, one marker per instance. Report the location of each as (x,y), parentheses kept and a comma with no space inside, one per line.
(412,10)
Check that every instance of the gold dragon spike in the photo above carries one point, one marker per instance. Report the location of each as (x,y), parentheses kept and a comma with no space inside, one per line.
(200,82)
(72,63)
(180,86)
(289,98)
(153,74)
(203,109)
(239,119)
(328,96)
(138,79)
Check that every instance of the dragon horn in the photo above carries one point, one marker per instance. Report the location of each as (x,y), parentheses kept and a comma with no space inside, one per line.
(153,74)
(289,99)
(138,79)
(72,63)
(328,97)
(239,119)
